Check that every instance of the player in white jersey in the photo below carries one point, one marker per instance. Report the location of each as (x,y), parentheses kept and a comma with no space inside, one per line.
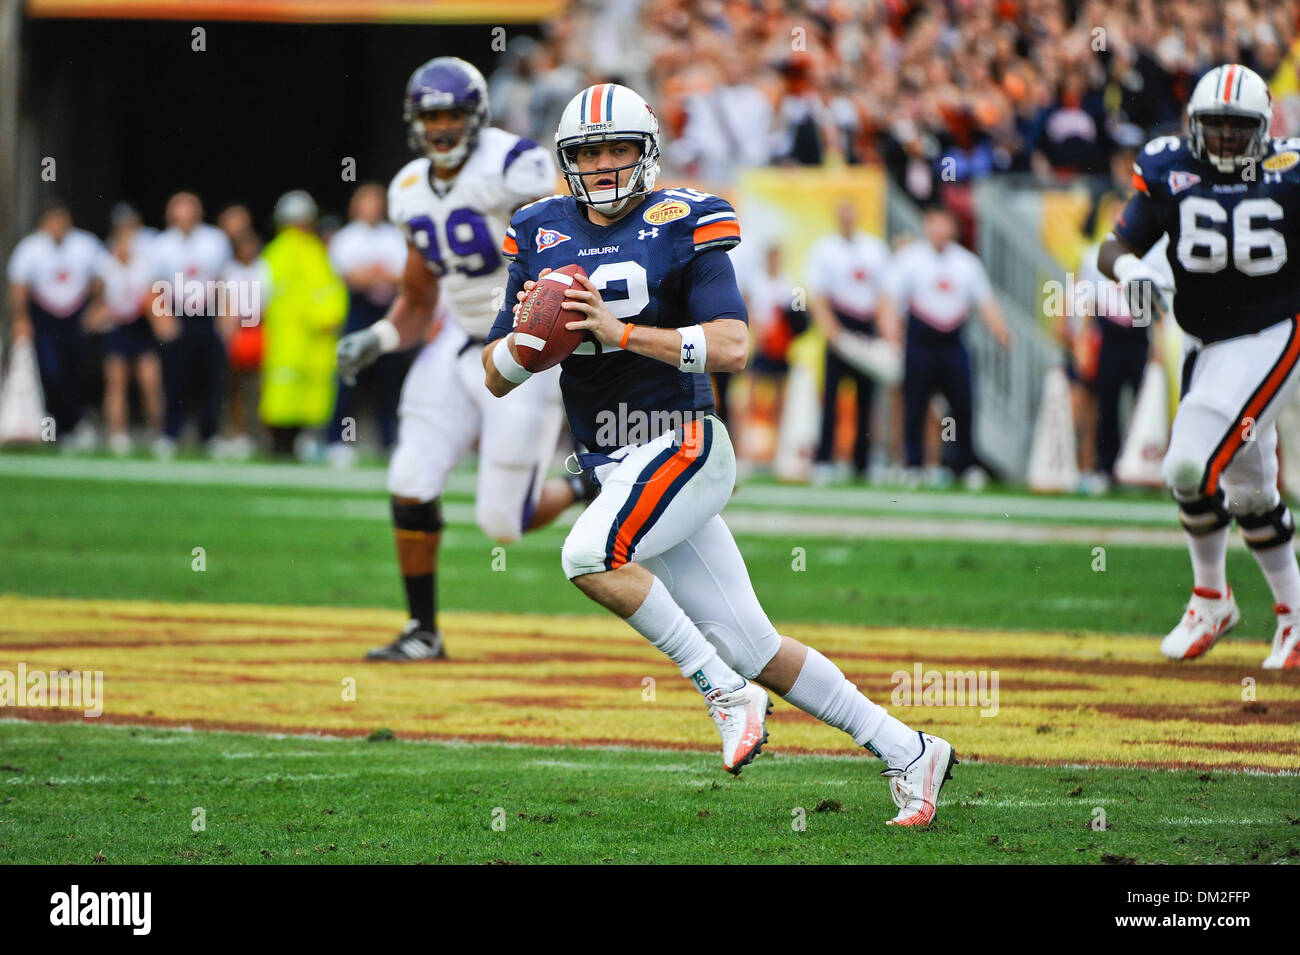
(52,276)
(846,273)
(453,204)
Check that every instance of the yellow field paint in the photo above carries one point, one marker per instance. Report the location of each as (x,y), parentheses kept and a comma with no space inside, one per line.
(1057,698)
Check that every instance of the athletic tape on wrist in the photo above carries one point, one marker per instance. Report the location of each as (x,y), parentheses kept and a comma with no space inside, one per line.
(389,337)
(510,369)
(1125,265)
(695,351)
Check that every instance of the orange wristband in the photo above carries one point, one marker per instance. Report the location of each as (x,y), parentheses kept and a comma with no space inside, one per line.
(627,333)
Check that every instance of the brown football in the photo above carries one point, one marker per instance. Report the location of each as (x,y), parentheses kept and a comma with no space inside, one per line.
(541,339)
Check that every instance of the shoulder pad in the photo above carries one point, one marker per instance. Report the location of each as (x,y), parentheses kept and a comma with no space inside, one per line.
(1161,157)
(521,223)
(703,220)
(409,175)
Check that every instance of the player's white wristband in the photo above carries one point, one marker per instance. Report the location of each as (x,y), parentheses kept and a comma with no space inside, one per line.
(389,337)
(1125,266)
(695,351)
(510,369)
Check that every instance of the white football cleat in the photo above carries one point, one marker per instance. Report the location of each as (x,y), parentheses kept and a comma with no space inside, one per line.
(1285,654)
(1209,616)
(916,786)
(741,716)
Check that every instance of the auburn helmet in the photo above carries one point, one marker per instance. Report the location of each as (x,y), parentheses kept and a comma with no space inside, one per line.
(1228,117)
(608,113)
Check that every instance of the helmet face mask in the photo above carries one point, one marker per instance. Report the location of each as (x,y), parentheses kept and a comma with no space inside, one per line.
(445,146)
(1228,139)
(611,200)
(1228,117)
(445,84)
(608,113)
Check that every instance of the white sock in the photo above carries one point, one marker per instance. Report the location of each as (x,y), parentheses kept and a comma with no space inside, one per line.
(661,620)
(1282,573)
(1210,559)
(822,690)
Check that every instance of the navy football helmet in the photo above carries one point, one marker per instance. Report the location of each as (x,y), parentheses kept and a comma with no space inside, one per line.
(445,82)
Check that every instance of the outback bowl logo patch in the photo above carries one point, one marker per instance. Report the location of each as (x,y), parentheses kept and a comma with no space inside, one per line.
(1281,161)
(1179,180)
(549,238)
(666,211)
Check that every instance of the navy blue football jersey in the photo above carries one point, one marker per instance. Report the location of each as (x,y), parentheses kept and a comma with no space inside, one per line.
(664,264)
(1231,235)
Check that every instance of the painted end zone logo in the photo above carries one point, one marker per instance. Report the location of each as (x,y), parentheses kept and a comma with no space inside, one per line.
(666,211)
(549,238)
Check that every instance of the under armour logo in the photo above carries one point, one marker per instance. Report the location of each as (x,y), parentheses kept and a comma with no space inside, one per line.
(647,233)
(688,353)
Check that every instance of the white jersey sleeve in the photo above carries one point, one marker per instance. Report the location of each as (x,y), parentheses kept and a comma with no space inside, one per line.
(529,173)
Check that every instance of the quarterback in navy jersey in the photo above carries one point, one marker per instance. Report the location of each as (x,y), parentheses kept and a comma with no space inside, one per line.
(1228,197)
(659,309)
(665,268)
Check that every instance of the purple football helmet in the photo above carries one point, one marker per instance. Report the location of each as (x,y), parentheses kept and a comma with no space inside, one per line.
(445,82)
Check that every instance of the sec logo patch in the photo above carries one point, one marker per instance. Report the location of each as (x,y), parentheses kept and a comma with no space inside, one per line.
(410,180)
(666,211)
(1281,161)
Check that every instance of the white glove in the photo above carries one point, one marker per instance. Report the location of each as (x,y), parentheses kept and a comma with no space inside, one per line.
(1146,291)
(359,349)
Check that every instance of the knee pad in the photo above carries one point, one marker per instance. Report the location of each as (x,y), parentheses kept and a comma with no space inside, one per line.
(1203,515)
(1269,529)
(581,556)
(420,517)
(1183,475)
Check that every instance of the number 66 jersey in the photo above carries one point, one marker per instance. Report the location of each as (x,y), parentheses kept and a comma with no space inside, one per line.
(1234,237)
(459,230)
(663,264)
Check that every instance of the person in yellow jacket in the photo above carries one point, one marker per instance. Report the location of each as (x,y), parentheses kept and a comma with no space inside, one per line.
(305,304)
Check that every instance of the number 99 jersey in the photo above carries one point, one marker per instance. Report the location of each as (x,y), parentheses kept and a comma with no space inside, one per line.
(664,264)
(1231,235)
(459,230)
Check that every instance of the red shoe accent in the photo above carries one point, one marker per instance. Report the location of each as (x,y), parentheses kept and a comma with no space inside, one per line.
(1207,641)
(1209,594)
(1280,609)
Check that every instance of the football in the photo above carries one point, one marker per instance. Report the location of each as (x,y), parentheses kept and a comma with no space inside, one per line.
(541,339)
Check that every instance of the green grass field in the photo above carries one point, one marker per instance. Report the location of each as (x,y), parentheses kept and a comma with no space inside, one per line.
(81,792)
(78,538)
(74,794)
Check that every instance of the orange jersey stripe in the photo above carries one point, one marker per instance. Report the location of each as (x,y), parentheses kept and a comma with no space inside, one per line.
(654,490)
(510,246)
(717,230)
(1139,183)
(1258,402)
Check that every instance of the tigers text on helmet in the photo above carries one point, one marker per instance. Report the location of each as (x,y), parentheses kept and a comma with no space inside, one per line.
(1228,117)
(607,113)
(445,82)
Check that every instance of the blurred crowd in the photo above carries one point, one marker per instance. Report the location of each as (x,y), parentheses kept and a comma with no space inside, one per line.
(941,91)
(238,346)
